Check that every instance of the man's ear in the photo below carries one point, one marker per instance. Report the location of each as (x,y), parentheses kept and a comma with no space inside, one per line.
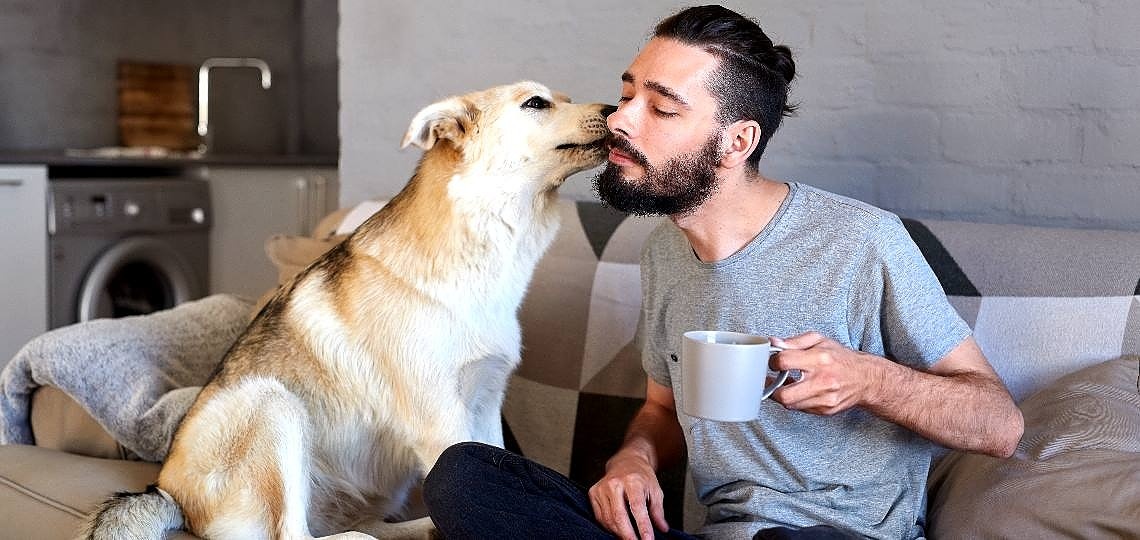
(741,137)
(450,119)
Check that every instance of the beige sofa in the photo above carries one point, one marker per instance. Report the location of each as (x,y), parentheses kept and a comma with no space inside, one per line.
(1056,310)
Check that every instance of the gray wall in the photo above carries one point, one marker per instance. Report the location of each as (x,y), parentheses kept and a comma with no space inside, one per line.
(1016,111)
(58,57)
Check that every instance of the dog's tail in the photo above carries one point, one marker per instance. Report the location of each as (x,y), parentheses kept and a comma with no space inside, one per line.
(135,516)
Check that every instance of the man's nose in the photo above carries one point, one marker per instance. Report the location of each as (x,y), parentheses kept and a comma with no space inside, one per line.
(617,121)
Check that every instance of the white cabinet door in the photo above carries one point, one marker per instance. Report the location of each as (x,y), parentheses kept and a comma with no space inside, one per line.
(23,265)
(251,204)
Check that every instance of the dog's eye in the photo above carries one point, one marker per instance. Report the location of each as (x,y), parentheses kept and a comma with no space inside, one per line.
(536,102)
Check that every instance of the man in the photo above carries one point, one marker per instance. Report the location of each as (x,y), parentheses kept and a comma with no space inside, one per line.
(886,364)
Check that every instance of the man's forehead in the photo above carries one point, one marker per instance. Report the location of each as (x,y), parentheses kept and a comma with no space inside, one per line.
(672,65)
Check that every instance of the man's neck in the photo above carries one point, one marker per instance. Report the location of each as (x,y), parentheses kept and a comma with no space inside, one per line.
(733,216)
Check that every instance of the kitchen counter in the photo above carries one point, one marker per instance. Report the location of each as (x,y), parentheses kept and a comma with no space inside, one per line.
(99,158)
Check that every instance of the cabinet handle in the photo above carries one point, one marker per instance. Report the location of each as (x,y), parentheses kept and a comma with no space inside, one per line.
(4,182)
(302,186)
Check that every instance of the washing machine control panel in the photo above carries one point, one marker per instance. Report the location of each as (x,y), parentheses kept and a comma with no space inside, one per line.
(88,206)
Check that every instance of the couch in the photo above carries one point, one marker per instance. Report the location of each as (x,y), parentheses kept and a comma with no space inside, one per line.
(1056,310)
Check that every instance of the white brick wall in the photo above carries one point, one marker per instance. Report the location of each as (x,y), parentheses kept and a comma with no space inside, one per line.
(1015,111)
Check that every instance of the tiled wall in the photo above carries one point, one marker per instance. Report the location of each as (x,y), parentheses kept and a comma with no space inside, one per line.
(58,57)
(1015,111)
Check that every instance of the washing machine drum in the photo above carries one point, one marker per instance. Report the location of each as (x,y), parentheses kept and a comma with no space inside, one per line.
(135,277)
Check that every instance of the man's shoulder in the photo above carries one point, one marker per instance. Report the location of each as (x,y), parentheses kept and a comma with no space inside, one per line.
(819,209)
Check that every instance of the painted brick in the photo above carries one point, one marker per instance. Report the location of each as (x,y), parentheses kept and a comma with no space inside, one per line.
(791,27)
(1066,81)
(805,134)
(1041,25)
(940,189)
(954,82)
(1113,140)
(888,135)
(1079,196)
(840,30)
(876,135)
(1115,26)
(902,27)
(1006,137)
(832,83)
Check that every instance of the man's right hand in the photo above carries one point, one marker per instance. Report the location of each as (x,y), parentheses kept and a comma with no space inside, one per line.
(630,486)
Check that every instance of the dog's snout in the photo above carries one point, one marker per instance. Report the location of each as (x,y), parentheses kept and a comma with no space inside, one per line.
(608,110)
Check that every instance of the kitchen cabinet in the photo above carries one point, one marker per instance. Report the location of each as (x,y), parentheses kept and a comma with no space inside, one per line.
(23,267)
(251,204)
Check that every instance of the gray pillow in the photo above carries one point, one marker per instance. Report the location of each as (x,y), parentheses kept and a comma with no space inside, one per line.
(1076,472)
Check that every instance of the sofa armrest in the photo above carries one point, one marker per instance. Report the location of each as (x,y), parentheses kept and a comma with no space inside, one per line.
(59,423)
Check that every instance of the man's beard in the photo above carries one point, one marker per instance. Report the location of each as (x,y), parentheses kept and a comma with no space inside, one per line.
(678,187)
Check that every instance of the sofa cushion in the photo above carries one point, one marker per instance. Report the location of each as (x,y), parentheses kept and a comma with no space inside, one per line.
(59,423)
(47,493)
(1076,472)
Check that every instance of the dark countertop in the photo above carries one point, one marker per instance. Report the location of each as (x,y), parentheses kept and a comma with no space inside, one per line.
(90,158)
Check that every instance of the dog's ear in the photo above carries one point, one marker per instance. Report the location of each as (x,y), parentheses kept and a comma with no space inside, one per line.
(449,119)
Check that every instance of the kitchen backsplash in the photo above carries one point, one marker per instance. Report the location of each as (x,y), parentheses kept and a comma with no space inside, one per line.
(59,61)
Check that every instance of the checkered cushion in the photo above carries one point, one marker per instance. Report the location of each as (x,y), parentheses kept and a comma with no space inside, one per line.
(1043,302)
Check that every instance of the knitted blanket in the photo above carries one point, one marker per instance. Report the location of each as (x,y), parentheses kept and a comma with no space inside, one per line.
(136,376)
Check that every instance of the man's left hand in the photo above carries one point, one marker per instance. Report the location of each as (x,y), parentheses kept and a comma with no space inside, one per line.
(834,379)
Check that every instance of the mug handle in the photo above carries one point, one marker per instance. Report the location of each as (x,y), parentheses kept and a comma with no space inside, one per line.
(781,378)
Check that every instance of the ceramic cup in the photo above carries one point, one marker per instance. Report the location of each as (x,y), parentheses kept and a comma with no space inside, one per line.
(723,374)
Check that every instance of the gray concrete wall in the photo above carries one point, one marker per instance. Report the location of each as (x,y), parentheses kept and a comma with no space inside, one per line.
(1015,111)
(58,58)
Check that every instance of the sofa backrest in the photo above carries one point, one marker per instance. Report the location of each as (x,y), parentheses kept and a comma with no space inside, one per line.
(1043,302)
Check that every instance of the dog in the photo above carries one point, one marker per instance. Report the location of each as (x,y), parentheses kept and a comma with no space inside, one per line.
(397,343)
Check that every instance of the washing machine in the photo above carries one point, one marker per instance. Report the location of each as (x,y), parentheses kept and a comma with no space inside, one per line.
(121,247)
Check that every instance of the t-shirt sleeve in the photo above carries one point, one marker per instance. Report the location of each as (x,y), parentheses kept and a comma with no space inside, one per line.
(898,297)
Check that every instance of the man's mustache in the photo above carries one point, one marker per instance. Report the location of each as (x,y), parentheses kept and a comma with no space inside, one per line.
(614,141)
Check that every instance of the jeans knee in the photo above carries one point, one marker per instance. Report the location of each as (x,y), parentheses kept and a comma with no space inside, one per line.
(449,474)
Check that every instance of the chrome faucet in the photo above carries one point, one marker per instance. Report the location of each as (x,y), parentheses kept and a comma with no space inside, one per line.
(204,89)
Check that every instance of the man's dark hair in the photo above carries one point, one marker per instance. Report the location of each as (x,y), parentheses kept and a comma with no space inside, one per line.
(752,79)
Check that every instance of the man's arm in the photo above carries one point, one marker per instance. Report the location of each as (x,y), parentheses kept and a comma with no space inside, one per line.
(630,486)
(959,403)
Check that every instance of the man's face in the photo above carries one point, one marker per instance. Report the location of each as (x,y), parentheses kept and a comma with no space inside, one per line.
(665,144)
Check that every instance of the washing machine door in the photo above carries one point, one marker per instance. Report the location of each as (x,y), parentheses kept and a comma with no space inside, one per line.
(135,277)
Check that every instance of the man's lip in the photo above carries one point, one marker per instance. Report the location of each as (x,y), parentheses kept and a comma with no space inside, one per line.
(617,157)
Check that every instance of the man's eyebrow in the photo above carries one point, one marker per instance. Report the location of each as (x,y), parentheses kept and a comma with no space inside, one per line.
(659,88)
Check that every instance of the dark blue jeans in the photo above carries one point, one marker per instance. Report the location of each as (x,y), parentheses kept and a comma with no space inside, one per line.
(476,491)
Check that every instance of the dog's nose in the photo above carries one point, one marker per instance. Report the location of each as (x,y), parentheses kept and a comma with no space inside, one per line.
(608,110)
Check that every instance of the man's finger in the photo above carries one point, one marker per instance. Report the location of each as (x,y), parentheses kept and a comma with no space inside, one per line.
(657,508)
(637,508)
(602,499)
(802,341)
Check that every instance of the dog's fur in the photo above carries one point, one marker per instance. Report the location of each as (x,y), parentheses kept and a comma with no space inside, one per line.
(344,390)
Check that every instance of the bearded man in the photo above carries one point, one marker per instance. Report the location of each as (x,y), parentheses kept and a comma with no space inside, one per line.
(887,367)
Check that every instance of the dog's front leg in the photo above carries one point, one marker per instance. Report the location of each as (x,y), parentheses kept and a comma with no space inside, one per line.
(483,384)
(488,426)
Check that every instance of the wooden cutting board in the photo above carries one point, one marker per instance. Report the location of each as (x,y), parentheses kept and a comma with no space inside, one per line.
(156,105)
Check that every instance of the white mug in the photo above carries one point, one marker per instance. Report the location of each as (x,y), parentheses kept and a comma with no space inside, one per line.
(723,374)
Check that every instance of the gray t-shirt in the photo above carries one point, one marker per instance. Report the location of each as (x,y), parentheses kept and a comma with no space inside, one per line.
(824,263)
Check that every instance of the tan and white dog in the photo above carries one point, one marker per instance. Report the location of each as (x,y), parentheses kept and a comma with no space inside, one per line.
(344,390)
